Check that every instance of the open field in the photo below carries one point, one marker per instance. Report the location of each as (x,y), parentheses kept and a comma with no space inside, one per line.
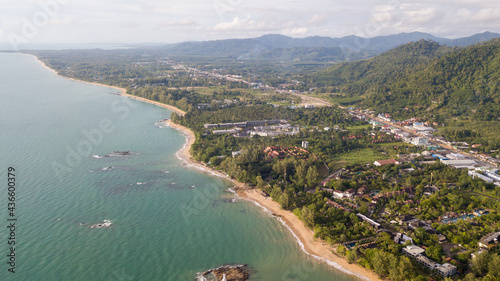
(361,156)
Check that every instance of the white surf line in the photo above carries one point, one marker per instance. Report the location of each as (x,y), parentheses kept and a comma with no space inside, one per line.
(327,261)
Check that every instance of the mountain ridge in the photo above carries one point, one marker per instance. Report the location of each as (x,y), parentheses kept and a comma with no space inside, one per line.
(351,47)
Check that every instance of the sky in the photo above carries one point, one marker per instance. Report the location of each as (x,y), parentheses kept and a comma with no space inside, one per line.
(171,21)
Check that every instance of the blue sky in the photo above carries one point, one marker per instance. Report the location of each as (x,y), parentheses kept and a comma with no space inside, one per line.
(137,21)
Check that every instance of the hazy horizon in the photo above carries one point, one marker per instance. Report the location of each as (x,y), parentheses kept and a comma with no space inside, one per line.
(158,22)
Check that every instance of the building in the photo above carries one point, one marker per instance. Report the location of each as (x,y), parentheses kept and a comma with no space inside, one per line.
(375,224)
(489,239)
(305,144)
(385,162)
(420,141)
(401,238)
(494,176)
(474,174)
(455,156)
(338,194)
(404,219)
(413,251)
(439,156)
(460,164)
(349,193)
(446,269)
(427,262)
(222,132)
(421,128)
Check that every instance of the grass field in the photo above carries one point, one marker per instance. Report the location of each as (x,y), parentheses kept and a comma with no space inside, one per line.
(359,127)
(361,156)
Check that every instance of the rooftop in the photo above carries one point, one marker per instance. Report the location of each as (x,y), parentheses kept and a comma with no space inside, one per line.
(413,250)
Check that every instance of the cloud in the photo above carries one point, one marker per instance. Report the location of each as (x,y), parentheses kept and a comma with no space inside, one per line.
(246,24)
(180,23)
(318,19)
(295,31)
(113,20)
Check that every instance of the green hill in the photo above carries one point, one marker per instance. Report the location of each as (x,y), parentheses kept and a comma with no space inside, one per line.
(424,78)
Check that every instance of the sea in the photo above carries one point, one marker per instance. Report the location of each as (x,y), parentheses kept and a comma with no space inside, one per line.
(169,220)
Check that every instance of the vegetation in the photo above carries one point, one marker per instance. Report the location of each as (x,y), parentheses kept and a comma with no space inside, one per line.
(455,86)
(447,85)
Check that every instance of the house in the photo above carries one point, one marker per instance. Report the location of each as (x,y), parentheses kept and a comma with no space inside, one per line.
(336,205)
(404,219)
(338,194)
(401,238)
(477,253)
(362,190)
(441,238)
(349,193)
(385,162)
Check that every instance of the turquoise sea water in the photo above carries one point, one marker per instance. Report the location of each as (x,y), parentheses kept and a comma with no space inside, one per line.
(170,221)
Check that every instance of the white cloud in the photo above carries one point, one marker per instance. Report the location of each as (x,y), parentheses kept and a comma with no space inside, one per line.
(174,20)
(180,23)
(295,31)
(245,24)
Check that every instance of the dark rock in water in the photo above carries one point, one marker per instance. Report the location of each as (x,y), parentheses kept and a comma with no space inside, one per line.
(238,272)
(118,153)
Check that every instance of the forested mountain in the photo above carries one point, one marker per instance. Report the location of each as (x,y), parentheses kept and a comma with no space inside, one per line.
(279,47)
(357,77)
(424,78)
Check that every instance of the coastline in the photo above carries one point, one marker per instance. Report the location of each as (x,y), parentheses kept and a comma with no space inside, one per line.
(123,91)
(304,236)
(314,247)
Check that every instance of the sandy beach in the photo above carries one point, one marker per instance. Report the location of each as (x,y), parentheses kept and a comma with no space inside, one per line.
(315,247)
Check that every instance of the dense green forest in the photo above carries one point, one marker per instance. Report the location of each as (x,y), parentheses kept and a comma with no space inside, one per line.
(424,78)
(456,86)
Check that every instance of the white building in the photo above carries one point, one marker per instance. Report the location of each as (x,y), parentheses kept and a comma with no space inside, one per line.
(446,269)
(455,156)
(480,176)
(413,251)
(305,144)
(460,164)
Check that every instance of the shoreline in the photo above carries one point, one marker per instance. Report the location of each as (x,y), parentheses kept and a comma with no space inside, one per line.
(303,235)
(123,91)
